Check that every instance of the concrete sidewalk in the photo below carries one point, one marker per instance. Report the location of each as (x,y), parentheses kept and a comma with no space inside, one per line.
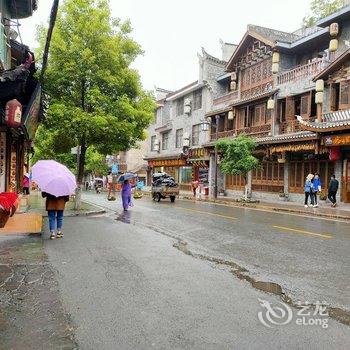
(342,211)
(37,205)
(29,217)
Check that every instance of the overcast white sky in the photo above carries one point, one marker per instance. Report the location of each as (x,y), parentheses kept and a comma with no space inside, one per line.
(172,32)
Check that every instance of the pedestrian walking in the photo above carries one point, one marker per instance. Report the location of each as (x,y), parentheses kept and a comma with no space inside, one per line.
(26,184)
(195,185)
(316,188)
(126,194)
(57,183)
(109,183)
(308,189)
(332,190)
(55,208)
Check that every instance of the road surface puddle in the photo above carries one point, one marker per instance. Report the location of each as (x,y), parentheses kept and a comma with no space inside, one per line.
(268,287)
(124,217)
(342,316)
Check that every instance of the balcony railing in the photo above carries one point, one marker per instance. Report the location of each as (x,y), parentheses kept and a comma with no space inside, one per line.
(228,98)
(290,127)
(222,134)
(302,72)
(258,130)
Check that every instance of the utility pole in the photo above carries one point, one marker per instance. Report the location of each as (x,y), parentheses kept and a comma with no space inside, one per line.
(217,118)
(77,201)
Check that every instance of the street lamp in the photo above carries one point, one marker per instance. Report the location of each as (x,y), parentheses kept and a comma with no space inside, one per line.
(205,127)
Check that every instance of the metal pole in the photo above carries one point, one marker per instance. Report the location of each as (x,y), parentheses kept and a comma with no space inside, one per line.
(216,157)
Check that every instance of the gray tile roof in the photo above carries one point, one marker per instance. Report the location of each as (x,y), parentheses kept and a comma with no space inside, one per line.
(272,34)
(333,120)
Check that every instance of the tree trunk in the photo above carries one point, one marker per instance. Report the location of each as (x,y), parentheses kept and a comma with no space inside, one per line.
(245,187)
(81,167)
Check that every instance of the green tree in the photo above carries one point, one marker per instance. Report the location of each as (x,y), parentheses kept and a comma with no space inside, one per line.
(320,9)
(95,162)
(237,157)
(96,98)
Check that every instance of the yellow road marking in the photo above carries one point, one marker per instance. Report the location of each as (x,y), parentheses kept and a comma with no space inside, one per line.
(207,213)
(303,232)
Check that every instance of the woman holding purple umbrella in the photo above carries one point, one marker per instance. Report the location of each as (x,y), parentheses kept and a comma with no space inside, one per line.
(55,208)
(126,194)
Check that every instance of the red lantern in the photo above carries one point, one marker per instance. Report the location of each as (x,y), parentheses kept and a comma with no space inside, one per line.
(334,153)
(13,116)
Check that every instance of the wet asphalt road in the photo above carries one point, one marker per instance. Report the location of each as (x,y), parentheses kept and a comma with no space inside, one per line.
(181,276)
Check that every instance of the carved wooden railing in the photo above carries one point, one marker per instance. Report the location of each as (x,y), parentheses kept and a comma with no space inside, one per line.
(302,72)
(222,134)
(258,130)
(290,127)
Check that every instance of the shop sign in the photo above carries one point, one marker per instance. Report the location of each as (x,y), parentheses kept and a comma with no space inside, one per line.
(167,162)
(2,152)
(198,153)
(336,140)
(31,116)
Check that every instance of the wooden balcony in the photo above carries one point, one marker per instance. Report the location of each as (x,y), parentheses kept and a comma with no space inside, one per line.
(222,134)
(226,99)
(290,127)
(258,130)
(302,72)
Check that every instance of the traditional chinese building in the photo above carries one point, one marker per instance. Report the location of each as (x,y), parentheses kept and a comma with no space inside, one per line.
(20,96)
(176,137)
(271,82)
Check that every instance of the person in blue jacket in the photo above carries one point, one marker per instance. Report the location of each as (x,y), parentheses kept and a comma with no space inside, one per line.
(316,188)
(308,189)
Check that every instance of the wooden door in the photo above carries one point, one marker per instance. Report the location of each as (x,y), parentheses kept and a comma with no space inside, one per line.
(346,182)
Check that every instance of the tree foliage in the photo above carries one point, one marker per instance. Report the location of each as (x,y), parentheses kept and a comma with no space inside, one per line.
(97,100)
(237,155)
(320,9)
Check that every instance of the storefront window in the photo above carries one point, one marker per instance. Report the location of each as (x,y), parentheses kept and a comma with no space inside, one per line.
(185,174)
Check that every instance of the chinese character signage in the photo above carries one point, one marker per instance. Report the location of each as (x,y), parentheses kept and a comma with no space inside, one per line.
(31,115)
(336,140)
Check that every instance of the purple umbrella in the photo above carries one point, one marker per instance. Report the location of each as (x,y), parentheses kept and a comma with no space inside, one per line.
(54,178)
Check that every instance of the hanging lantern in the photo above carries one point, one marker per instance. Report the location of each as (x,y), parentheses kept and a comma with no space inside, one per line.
(319,85)
(270,103)
(334,29)
(233,76)
(275,68)
(276,57)
(319,97)
(13,114)
(333,45)
(230,115)
(233,85)
(334,153)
